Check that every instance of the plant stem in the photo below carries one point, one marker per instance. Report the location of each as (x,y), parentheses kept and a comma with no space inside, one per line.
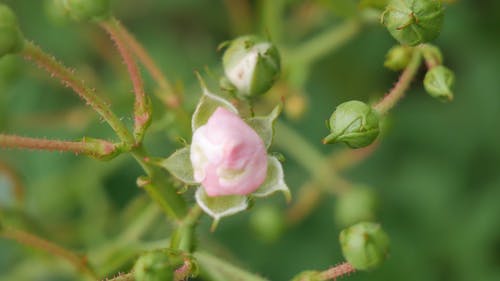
(95,148)
(68,78)
(159,187)
(142,110)
(325,42)
(183,237)
(394,95)
(337,271)
(39,243)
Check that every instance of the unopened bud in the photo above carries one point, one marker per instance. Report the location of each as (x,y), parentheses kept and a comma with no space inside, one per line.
(438,82)
(11,38)
(354,123)
(398,57)
(84,10)
(412,22)
(355,205)
(364,245)
(158,265)
(252,65)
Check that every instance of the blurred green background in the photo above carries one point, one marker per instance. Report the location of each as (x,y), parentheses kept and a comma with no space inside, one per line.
(436,171)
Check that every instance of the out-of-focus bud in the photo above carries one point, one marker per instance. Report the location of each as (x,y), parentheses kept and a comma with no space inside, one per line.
(252,65)
(88,9)
(438,82)
(56,11)
(398,57)
(295,106)
(11,38)
(354,123)
(156,266)
(432,55)
(355,205)
(412,22)
(364,245)
(267,222)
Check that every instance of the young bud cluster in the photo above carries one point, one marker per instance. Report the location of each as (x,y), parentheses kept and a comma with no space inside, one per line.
(354,123)
(251,65)
(412,22)
(11,38)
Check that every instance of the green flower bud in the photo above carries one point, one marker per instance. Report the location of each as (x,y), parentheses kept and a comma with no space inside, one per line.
(252,65)
(398,57)
(355,205)
(11,38)
(412,22)
(157,266)
(364,245)
(84,10)
(355,123)
(267,222)
(438,82)
(56,11)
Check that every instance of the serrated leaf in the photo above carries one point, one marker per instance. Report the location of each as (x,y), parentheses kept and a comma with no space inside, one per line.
(264,125)
(208,103)
(220,206)
(275,180)
(179,165)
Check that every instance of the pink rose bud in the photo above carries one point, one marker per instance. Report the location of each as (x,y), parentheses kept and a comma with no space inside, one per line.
(228,156)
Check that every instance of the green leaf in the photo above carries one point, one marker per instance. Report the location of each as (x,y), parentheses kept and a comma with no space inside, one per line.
(274,181)
(179,165)
(208,103)
(220,206)
(264,125)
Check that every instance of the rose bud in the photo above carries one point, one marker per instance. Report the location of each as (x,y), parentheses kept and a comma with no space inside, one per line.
(355,123)
(412,22)
(364,245)
(11,38)
(251,65)
(438,82)
(228,156)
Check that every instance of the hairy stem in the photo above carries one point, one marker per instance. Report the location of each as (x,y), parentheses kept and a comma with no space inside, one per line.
(142,111)
(36,242)
(69,79)
(171,98)
(337,271)
(398,92)
(95,148)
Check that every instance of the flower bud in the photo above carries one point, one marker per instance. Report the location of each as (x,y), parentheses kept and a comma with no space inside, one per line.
(84,10)
(398,57)
(364,245)
(438,82)
(355,123)
(228,156)
(156,266)
(355,205)
(412,22)
(11,38)
(267,222)
(252,65)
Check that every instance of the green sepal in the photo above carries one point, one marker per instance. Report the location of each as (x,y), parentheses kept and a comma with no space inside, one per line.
(179,165)
(208,103)
(264,125)
(275,180)
(220,206)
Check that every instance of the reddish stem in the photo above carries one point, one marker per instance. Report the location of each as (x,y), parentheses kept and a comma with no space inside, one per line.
(337,271)
(96,148)
(141,110)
